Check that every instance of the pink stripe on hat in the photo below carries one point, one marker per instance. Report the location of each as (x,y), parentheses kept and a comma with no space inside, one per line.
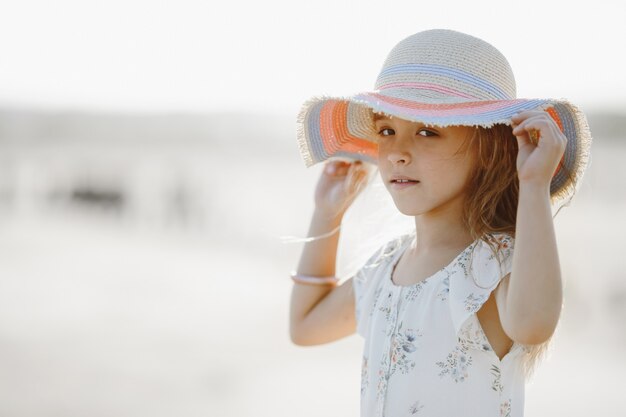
(443,110)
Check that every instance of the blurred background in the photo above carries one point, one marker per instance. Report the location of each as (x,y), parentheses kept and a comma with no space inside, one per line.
(149,174)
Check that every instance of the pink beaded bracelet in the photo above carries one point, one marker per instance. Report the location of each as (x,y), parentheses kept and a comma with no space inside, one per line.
(311,280)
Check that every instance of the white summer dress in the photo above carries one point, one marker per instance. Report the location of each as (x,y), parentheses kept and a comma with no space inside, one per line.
(425,352)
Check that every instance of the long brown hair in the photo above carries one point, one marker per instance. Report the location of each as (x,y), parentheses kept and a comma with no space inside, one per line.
(492,188)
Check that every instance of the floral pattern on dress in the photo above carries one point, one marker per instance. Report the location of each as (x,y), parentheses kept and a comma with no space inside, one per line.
(445,291)
(505,408)
(496,384)
(414,290)
(501,241)
(402,346)
(376,298)
(504,248)
(464,259)
(364,375)
(383,377)
(456,364)
(472,335)
(473,302)
(415,408)
(385,307)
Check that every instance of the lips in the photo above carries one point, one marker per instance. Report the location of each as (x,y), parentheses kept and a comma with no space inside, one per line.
(402,179)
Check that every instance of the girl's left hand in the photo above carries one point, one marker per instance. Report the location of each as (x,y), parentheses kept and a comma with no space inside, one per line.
(537,160)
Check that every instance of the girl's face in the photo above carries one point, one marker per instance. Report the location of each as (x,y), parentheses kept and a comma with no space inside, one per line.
(433,158)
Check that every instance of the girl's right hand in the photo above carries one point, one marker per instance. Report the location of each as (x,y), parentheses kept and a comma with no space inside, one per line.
(338,186)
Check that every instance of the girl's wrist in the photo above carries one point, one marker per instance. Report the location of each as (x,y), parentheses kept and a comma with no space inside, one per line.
(323,226)
(331,219)
(533,187)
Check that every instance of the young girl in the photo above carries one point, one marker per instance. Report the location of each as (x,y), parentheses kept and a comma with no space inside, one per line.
(454,314)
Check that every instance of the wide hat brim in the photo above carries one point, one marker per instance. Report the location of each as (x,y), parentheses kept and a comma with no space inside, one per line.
(341,127)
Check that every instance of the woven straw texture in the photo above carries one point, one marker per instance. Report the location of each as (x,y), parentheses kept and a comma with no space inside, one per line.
(438,77)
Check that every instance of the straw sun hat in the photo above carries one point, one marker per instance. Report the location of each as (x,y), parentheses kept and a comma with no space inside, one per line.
(438,77)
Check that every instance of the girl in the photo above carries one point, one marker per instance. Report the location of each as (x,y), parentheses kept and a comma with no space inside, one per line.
(455,313)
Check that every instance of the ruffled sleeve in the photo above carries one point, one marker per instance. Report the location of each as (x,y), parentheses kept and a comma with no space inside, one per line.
(473,277)
(366,283)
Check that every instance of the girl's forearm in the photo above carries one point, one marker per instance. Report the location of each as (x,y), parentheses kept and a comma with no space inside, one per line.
(535,294)
(319,256)
(318,259)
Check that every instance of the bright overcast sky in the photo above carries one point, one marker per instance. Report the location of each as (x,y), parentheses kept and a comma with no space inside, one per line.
(272,55)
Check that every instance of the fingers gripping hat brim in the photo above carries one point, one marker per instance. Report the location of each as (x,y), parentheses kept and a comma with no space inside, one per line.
(333,127)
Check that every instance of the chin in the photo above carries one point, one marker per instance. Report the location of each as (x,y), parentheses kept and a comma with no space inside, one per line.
(410,209)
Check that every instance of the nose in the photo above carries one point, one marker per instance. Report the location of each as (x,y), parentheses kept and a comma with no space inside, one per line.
(398,155)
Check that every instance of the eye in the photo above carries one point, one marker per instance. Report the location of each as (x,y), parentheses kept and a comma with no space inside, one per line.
(427,131)
(386,129)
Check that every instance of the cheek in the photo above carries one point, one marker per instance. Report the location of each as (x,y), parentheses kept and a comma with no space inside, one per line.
(381,150)
(450,173)
(440,164)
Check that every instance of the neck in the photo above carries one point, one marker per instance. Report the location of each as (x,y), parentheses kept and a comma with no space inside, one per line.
(441,229)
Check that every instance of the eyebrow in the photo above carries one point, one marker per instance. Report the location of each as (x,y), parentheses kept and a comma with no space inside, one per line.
(378,116)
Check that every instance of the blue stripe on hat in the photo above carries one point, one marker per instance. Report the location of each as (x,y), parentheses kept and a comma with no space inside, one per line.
(449,72)
(315,137)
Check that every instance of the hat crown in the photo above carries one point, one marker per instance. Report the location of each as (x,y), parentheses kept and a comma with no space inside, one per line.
(442,65)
